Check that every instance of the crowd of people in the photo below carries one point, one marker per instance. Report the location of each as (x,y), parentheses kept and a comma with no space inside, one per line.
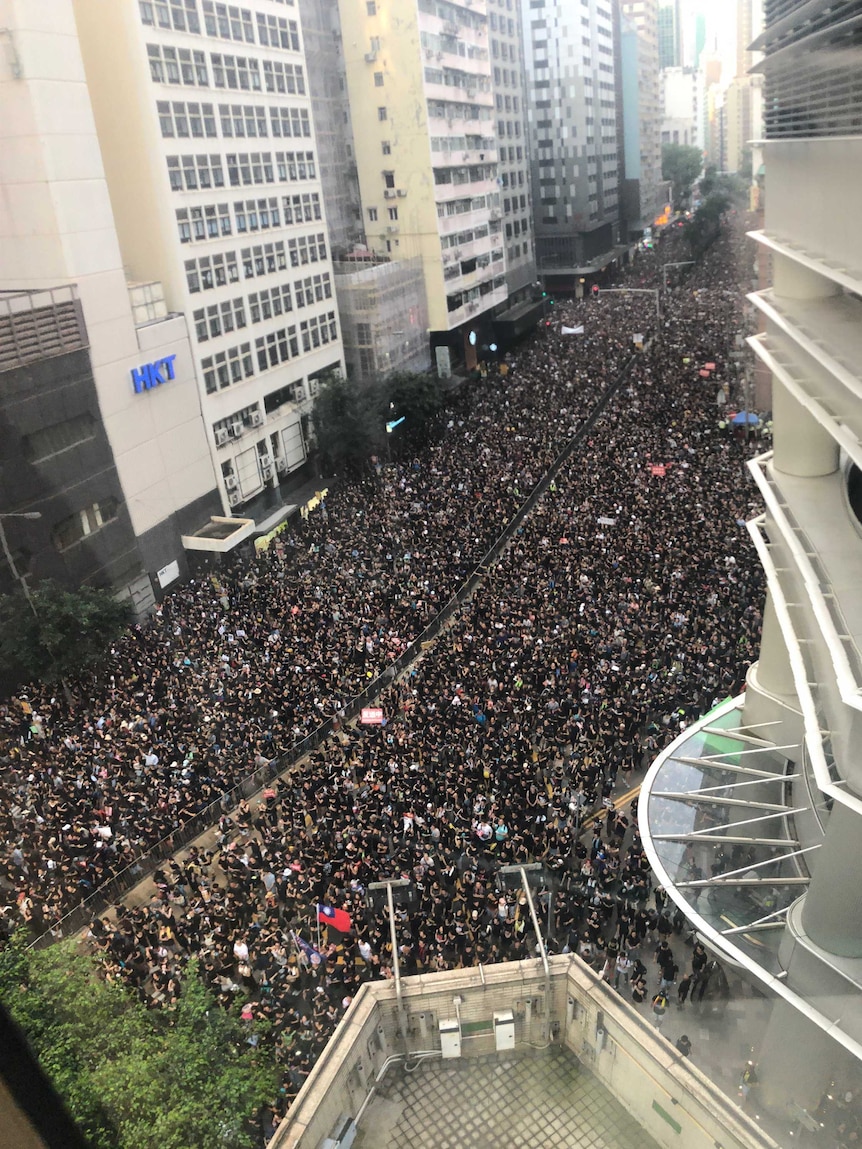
(627,603)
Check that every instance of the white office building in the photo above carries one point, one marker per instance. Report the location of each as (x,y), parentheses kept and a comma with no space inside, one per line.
(204,124)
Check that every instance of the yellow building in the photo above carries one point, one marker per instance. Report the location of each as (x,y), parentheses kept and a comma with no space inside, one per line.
(420,89)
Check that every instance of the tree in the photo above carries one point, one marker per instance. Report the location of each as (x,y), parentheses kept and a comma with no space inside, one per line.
(349,423)
(133,1078)
(64,632)
(418,399)
(709,179)
(705,224)
(681,164)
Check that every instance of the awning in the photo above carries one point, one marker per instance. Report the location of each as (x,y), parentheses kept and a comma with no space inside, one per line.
(220,535)
(518,320)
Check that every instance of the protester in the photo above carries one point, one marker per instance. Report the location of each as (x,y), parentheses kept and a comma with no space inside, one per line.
(627,603)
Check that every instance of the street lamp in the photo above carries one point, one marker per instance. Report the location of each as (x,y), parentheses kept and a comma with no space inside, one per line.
(373,901)
(521,869)
(15,573)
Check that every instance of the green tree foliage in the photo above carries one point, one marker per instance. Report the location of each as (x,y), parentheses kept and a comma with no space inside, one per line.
(708,180)
(705,224)
(730,185)
(418,399)
(349,424)
(67,631)
(350,419)
(680,164)
(133,1078)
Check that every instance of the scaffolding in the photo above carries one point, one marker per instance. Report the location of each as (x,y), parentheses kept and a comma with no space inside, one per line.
(384,317)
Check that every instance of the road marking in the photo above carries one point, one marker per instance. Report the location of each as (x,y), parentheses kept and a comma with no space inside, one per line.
(618,804)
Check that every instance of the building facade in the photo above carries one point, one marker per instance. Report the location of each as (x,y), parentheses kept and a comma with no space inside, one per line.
(333,127)
(102,431)
(764,794)
(510,100)
(419,81)
(643,195)
(384,317)
(682,119)
(226,212)
(669,26)
(574,142)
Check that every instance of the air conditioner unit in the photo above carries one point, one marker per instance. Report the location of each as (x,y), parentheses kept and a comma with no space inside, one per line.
(439,55)
(256,419)
(465,156)
(221,436)
(471,94)
(236,430)
(234,498)
(370,57)
(401,193)
(281,463)
(230,482)
(429,53)
(266,461)
(391,230)
(389,193)
(266,472)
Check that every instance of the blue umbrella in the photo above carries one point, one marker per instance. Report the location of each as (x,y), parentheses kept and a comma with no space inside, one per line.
(745,417)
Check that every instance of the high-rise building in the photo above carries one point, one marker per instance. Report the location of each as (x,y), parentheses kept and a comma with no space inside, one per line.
(510,107)
(744,96)
(753,816)
(642,197)
(204,123)
(682,122)
(103,445)
(574,139)
(669,24)
(421,94)
(333,128)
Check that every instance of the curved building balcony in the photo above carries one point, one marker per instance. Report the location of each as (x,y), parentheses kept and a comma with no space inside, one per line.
(720,817)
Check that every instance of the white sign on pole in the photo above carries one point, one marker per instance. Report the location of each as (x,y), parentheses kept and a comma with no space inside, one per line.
(571,330)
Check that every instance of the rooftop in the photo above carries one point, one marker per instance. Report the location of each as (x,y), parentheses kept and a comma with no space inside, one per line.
(545,1098)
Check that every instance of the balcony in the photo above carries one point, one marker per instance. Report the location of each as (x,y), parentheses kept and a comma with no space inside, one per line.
(476,306)
(462,221)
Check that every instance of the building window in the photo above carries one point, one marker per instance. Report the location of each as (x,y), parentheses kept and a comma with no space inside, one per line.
(393,213)
(49,441)
(371,7)
(389,179)
(387,148)
(382,114)
(372,214)
(378,79)
(83,523)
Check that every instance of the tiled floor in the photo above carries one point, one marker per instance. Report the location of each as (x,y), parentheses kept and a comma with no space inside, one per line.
(545,1099)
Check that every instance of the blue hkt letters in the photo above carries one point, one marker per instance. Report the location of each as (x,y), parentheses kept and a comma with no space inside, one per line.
(152,374)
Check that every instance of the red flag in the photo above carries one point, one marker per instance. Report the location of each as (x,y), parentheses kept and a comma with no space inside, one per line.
(338,919)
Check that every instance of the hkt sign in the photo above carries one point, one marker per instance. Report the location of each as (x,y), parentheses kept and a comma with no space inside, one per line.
(152,374)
